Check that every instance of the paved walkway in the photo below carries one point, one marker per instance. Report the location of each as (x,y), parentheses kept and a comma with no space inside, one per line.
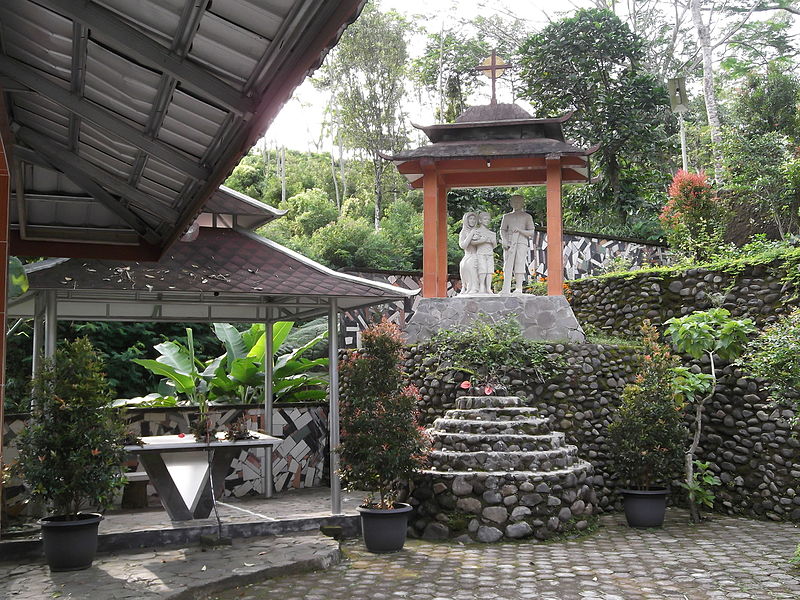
(721,559)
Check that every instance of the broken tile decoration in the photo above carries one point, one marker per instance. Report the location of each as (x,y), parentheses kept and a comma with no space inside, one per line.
(299,461)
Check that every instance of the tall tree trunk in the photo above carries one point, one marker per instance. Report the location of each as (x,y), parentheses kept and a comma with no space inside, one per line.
(377,163)
(335,183)
(283,174)
(710,96)
(341,167)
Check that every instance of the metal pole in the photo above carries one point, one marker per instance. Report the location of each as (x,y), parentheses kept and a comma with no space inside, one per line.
(50,323)
(333,408)
(38,333)
(269,367)
(683,142)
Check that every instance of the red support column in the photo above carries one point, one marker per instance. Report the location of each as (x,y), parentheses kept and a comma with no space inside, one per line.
(555,236)
(5,198)
(441,246)
(431,229)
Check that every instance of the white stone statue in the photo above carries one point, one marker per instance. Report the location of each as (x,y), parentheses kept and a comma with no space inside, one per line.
(516,229)
(468,267)
(485,241)
(478,243)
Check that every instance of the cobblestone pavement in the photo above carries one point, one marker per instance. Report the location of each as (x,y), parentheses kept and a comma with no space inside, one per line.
(724,558)
(176,573)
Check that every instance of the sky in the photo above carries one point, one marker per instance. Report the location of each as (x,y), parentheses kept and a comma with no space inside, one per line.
(299,123)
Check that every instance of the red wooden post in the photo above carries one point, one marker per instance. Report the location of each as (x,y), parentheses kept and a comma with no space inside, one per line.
(441,246)
(5,198)
(430,232)
(555,241)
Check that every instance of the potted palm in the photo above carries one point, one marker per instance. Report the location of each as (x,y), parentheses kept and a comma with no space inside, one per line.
(381,441)
(646,438)
(70,454)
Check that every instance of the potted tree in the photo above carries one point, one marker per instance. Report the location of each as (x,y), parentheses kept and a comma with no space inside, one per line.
(647,436)
(381,441)
(71,453)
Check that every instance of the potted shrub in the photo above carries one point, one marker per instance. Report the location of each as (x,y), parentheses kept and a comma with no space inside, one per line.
(381,441)
(647,436)
(71,453)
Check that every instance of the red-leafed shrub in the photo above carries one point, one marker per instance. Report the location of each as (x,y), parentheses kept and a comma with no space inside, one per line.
(693,218)
(381,440)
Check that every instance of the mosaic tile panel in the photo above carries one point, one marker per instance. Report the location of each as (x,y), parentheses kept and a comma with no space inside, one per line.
(587,255)
(299,461)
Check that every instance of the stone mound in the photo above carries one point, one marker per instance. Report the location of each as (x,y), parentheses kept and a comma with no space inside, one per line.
(499,471)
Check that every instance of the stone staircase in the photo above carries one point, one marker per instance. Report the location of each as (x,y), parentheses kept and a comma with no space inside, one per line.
(499,471)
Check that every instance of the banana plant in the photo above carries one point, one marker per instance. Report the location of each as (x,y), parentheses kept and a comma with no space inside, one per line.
(239,372)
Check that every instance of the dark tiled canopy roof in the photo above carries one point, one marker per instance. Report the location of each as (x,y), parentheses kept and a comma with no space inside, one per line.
(218,261)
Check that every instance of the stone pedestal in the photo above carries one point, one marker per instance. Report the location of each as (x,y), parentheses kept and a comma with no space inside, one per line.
(544,318)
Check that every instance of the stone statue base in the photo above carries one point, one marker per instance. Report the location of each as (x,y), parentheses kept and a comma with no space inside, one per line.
(542,318)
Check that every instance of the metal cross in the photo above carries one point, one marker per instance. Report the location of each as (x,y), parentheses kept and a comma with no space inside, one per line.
(493,67)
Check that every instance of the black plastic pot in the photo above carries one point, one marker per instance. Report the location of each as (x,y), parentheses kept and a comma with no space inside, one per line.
(645,508)
(384,530)
(70,543)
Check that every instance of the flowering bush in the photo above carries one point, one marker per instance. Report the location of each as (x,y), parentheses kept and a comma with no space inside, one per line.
(693,218)
(381,440)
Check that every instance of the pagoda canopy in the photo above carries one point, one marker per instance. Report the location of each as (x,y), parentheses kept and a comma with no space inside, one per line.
(494,145)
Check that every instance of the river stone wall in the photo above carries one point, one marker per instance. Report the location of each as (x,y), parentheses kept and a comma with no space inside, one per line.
(617,305)
(751,446)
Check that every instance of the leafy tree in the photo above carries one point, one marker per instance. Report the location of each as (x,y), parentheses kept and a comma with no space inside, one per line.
(402,227)
(591,63)
(352,243)
(766,102)
(763,177)
(308,211)
(714,335)
(366,73)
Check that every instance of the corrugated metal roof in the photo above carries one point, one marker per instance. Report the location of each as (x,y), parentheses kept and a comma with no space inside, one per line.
(144,105)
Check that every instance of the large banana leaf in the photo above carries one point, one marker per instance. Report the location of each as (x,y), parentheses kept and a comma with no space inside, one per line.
(279,332)
(184,383)
(231,338)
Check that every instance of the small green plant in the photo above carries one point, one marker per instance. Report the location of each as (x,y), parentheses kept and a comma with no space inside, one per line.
(700,489)
(617,264)
(775,356)
(485,350)
(70,453)
(714,334)
(647,436)
(381,440)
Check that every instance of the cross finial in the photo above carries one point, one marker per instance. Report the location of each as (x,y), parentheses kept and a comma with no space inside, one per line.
(493,67)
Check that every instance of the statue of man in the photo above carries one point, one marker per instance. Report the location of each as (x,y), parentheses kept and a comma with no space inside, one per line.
(516,229)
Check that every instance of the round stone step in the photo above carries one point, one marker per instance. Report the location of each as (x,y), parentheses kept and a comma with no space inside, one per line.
(498,442)
(578,471)
(541,460)
(507,413)
(529,426)
(466,402)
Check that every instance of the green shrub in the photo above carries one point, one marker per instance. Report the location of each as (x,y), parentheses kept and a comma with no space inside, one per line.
(70,453)
(486,350)
(775,356)
(647,436)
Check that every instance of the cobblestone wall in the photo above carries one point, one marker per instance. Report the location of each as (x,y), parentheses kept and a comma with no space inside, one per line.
(750,445)
(299,461)
(618,305)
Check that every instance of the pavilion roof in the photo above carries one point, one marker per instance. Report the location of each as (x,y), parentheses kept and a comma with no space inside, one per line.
(491,145)
(225,274)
